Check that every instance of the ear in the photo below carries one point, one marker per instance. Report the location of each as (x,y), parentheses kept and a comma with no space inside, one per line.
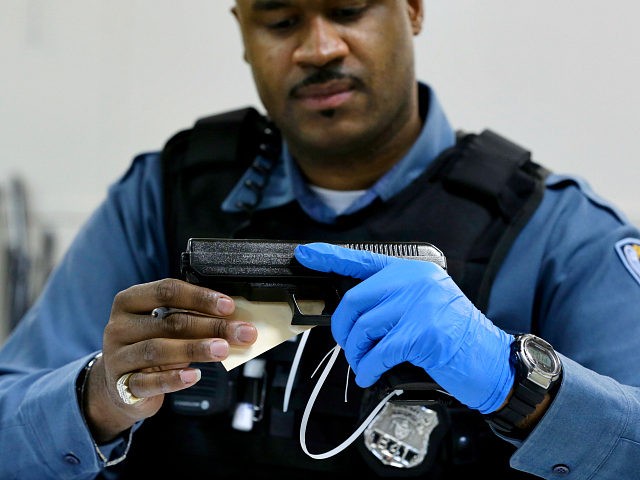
(236,14)
(415,10)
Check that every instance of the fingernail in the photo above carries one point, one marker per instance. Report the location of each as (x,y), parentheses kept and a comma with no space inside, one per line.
(225,305)
(190,376)
(219,348)
(245,333)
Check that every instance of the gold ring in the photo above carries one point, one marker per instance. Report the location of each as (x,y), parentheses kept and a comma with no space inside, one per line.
(123,390)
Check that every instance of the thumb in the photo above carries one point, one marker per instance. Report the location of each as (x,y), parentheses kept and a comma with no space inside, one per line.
(326,257)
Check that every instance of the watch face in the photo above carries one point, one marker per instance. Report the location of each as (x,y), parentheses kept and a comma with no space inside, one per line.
(541,354)
(542,358)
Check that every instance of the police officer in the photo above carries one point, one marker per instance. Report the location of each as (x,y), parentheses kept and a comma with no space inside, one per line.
(529,336)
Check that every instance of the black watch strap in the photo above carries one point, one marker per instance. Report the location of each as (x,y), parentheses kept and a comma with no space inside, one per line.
(521,404)
(524,400)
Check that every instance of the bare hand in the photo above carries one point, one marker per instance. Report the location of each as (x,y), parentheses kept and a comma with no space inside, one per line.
(157,351)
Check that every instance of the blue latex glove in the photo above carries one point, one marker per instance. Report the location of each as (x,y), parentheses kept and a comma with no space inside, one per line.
(411,310)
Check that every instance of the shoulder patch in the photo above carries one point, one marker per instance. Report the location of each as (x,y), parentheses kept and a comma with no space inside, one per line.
(629,252)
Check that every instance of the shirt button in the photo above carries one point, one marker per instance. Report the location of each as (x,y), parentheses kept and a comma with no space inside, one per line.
(71,459)
(560,469)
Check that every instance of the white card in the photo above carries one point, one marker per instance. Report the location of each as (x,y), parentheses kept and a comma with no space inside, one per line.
(273,322)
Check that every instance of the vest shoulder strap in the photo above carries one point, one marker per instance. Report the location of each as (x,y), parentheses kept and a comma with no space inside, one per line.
(201,164)
(487,168)
(491,169)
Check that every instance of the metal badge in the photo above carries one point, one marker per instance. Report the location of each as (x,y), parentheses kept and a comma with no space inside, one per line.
(399,435)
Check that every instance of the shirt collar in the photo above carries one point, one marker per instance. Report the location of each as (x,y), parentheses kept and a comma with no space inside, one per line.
(287,184)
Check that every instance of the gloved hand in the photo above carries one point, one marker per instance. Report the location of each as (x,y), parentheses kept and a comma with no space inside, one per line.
(411,310)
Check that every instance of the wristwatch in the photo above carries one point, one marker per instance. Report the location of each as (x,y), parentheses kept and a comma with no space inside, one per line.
(538,370)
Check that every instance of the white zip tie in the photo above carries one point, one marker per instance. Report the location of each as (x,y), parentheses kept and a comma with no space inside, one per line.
(323,359)
(312,398)
(294,369)
(346,384)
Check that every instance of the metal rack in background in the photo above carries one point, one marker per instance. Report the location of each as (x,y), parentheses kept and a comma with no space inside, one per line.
(26,257)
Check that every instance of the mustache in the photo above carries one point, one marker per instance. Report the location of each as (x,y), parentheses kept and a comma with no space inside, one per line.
(322,76)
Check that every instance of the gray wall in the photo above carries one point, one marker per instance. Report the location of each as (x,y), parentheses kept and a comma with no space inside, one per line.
(87,84)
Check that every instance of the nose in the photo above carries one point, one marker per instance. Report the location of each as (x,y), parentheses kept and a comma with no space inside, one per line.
(320,43)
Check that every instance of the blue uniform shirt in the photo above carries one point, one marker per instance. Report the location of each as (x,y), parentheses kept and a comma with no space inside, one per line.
(574,268)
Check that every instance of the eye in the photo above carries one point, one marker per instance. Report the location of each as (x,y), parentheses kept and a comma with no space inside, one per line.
(283,24)
(347,14)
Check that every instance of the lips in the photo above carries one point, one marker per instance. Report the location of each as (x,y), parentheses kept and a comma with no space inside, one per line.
(327,95)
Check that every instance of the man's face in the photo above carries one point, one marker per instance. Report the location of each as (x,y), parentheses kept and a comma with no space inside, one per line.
(334,75)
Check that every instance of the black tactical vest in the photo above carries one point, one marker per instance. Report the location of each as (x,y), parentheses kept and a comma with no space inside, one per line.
(471,203)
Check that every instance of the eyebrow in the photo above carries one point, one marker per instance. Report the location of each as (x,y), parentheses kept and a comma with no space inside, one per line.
(266,5)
